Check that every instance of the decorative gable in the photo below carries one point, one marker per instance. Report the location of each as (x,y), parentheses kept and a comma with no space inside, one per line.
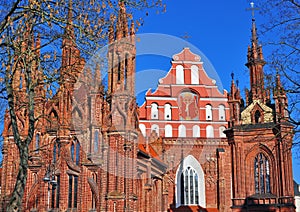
(257,112)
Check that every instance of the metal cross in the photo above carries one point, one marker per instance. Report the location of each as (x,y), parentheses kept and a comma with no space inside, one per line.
(252,8)
(186,36)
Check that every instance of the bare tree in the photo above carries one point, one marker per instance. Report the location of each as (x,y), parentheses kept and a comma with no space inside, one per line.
(31,35)
(281,32)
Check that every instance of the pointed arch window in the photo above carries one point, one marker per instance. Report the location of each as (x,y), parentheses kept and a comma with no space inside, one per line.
(154,111)
(208,112)
(179,74)
(96,141)
(37,142)
(257,117)
(189,187)
(75,152)
(56,150)
(262,174)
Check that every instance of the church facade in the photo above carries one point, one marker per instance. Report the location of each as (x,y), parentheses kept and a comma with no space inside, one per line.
(189,147)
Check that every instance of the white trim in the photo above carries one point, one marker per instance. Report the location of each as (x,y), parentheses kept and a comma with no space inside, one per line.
(186,62)
(213,99)
(192,162)
(160,98)
(183,122)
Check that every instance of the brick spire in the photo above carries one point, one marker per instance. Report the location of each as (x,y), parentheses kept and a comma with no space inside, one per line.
(255,64)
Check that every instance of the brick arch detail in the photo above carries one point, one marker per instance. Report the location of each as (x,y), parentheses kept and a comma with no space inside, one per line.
(249,166)
(94,188)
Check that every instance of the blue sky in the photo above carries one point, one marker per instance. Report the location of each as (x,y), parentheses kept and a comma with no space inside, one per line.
(221,30)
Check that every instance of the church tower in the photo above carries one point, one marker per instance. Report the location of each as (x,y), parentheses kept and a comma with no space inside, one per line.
(120,118)
(260,140)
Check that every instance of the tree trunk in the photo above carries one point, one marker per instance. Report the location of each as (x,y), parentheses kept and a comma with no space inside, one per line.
(15,203)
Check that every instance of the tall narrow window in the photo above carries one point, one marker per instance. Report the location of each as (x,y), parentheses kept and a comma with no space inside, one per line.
(196,131)
(208,112)
(96,141)
(154,111)
(72,151)
(73,191)
(168,112)
(181,131)
(125,72)
(56,150)
(57,191)
(209,131)
(257,117)
(189,187)
(77,153)
(194,75)
(168,131)
(179,74)
(37,142)
(143,129)
(221,112)
(155,128)
(70,191)
(262,174)
(221,132)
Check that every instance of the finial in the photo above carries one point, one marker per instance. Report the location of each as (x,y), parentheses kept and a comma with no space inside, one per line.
(252,8)
(232,75)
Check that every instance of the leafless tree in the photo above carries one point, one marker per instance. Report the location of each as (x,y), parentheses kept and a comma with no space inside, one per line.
(31,35)
(281,32)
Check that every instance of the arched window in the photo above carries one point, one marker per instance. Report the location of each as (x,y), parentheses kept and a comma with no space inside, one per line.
(189,187)
(154,111)
(190,183)
(221,132)
(209,131)
(181,131)
(208,112)
(77,153)
(257,117)
(179,74)
(143,129)
(96,141)
(262,174)
(56,150)
(37,142)
(221,112)
(72,151)
(155,128)
(168,131)
(194,75)
(168,112)
(196,131)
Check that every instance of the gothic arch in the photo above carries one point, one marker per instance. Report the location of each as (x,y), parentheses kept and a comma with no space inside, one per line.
(190,161)
(94,188)
(249,167)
